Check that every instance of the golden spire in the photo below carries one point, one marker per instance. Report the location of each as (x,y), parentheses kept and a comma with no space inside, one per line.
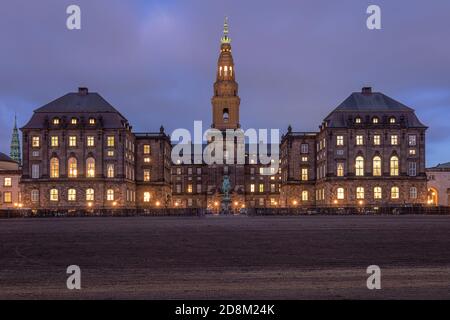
(225,38)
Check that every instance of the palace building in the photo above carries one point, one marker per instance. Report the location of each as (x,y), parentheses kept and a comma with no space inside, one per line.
(80,152)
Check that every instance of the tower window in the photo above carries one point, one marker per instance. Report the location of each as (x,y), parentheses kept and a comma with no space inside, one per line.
(226,115)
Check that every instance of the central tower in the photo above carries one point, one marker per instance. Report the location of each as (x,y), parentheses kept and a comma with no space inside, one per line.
(225,102)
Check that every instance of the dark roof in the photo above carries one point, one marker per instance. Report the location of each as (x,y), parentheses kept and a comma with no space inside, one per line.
(5,158)
(372,104)
(441,166)
(78,104)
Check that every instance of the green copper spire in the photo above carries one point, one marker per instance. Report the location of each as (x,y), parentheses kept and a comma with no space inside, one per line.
(225,38)
(15,144)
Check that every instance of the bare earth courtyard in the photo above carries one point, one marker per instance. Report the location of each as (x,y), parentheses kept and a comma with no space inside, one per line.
(235,257)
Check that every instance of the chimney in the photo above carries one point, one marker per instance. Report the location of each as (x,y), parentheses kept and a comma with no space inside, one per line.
(83,91)
(366,90)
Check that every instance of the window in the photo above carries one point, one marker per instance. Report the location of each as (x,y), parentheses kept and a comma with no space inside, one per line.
(147,175)
(189,188)
(305,195)
(304,159)
(359,166)
(412,152)
(412,169)
(54,167)
(110,153)
(110,141)
(110,170)
(90,167)
(146,149)
(90,193)
(340,152)
(359,140)
(395,193)
(35,153)
(360,193)
(340,169)
(199,188)
(74,121)
(35,142)
(54,141)
(394,140)
(375,120)
(72,141)
(7,197)
(54,195)
(110,195)
(147,159)
(91,121)
(358,120)
(304,148)
(413,193)
(7,182)
(147,196)
(377,194)
(392,120)
(377,166)
(189,171)
(339,140)
(72,195)
(252,187)
(412,140)
(376,140)
(394,166)
(34,195)
(178,188)
(90,141)
(56,121)
(304,174)
(35,172)
(340,194)
(72,164)
(261,187)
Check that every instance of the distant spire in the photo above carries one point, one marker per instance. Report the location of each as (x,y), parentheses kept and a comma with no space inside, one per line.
(225,38)
(15,143)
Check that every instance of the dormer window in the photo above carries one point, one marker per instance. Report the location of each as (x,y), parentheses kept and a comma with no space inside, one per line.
(74,121)
(55,121)
(392,120)
(375,120)
(358,120)
(91,121)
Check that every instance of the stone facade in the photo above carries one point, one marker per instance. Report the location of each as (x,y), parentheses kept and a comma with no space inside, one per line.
(439,185)
(10,194)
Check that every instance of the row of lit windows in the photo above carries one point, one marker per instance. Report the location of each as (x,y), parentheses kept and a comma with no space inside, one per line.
(376,120)
(377,193)
(72,195)
(412,140)
(57,121)
(72,167)
(376,167)
(73,141)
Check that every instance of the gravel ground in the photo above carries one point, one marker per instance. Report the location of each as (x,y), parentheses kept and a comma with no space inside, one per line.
(221,257)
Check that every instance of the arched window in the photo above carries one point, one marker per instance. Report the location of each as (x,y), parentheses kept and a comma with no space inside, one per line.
(90,167)
(110,195)
(305,195)
(226,70)
(377,166)
(377,194)
(394,166)
(359,166)
(340,193)
(395,193)
(375,120)
(392,120)
(72,195)
(54,196)
(72,165)
(358,120)
(54,167)
(360,193)
(226,115)
(90,194)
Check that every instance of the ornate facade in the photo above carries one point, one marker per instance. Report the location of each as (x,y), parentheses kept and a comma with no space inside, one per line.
(80,152)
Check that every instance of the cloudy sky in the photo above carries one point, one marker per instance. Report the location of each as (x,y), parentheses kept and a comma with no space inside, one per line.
(295,59)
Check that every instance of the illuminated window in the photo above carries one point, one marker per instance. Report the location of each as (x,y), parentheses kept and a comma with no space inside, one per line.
(110,153)
(304,159)
(376,166)
(54,141)
(72,164)
(147,196)
(376,140)
(72,141)
(110,141)
(412,152)
(340,193)
(252,188)
(305,195)
(394,166)
(7,197)
(54,167)
(90,193)
(56,121)
(74,121)
(91,121)
(54,195)
(359,166)
(304,174)
(261,187)
(394,140)
(7,182)
(90,141)
(90,167)
(35,142)
(395,193)
(189,188)
(110,170)
(71,195)
(340,169)
(359,140)
(339,140)
(377,194)
(147,175)
(110,195)
(360,193)
(146,149)
(375,120)
(147,159)
(392,120)
(358,120)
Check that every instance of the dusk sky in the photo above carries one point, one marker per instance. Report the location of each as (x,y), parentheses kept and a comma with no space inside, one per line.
(295,60)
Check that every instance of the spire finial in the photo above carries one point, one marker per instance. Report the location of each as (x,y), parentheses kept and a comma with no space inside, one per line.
(225,38)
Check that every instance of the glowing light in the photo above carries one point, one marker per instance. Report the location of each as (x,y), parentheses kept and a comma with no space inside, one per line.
(216,204)
(361,202)
(89,204)
(114,203)
(335,201)
(236,203)
(294,202)
(158,203)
